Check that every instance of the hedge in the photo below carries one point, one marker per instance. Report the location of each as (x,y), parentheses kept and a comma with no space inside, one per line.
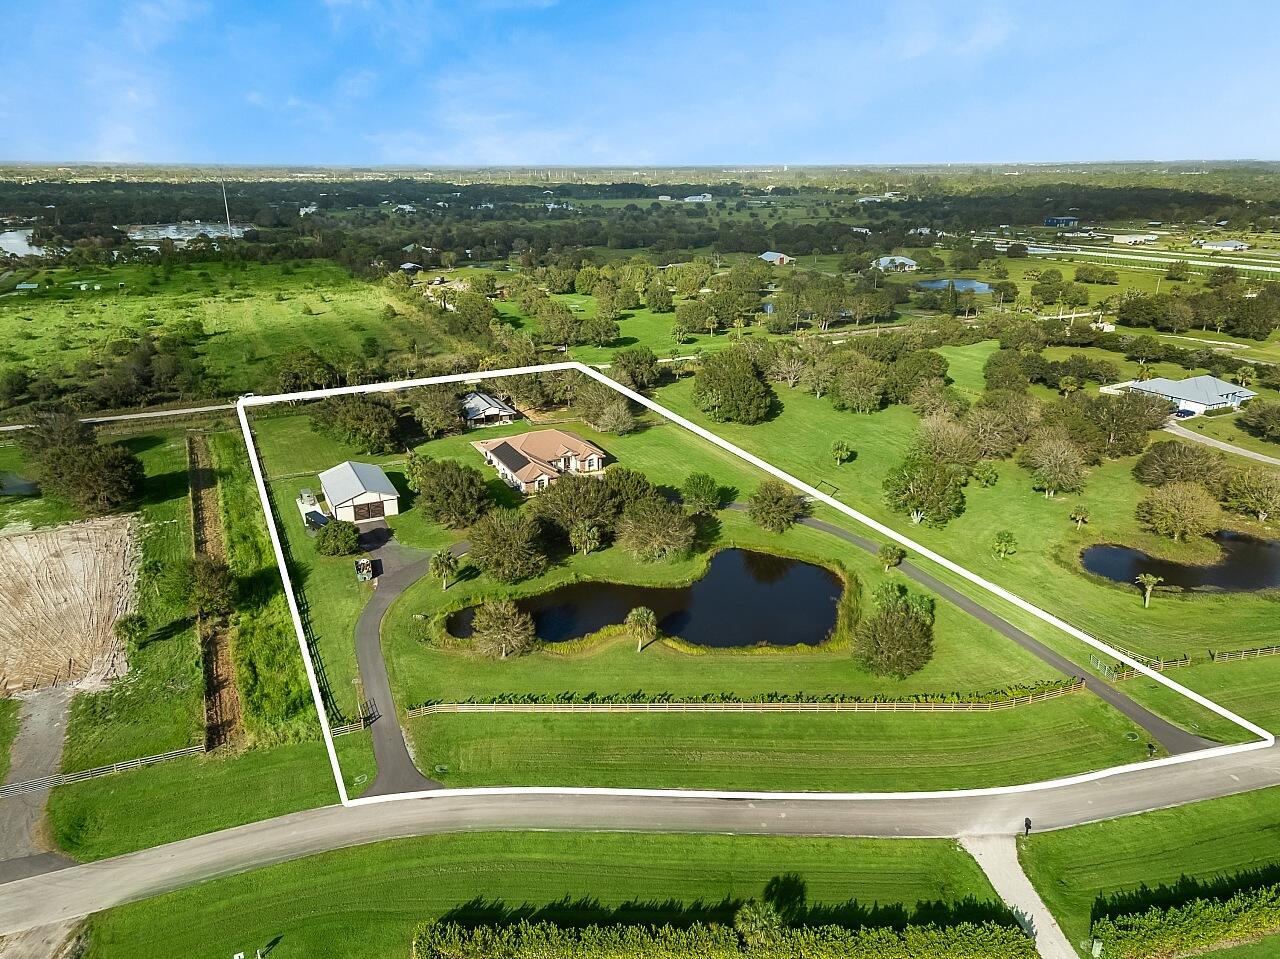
(642,696)
(436,940)
(1197,926)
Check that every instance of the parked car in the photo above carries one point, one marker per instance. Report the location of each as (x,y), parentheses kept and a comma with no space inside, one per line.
(1184,414)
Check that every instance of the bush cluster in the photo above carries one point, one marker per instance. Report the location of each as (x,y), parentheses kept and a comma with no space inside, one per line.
(1197,926)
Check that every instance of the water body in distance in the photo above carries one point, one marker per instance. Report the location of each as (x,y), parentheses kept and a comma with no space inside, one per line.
(1248,563)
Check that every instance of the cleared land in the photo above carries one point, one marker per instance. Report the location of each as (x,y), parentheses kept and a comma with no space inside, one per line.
(64,590)
(1202,849)
(366,902)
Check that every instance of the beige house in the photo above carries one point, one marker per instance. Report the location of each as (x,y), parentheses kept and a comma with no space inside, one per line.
(533,461)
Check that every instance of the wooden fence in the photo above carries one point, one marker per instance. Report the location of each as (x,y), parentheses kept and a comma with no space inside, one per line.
(823,707)
(1228,655)
(61,779)
(1159,665)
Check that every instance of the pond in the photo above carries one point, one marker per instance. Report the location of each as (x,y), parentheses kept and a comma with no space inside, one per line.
(18,243)
(962,284)
(744,599)
(1248,563)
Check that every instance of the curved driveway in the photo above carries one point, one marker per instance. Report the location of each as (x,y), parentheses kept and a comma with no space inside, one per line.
(80,890)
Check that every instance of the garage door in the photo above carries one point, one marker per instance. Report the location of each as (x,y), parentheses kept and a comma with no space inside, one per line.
(368,511)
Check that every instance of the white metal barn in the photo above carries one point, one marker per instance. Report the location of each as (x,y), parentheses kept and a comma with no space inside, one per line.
(358,492)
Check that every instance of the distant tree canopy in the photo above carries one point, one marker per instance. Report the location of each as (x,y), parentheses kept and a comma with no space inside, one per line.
(729,387)
(70,463)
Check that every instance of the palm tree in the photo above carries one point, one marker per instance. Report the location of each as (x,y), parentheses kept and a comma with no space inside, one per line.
(584,537)
(1079,516)
(644,623)
(444,565)
(1246,375)
(1148,582)
(758,923)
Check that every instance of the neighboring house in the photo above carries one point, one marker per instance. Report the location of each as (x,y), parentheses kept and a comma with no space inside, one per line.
(1061,220)
(896,264)
(481,409)
(776,259)
(1198,394)
(533,461)
(865,231)
(357,492)
(1135,239)
(410,268)
(27,286)
(698,198)
(869,199)
(1233,246)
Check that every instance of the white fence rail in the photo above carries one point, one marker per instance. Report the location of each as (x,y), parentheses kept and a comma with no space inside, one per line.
(61,779)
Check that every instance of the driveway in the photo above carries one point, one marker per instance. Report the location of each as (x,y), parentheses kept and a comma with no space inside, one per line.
(1194,437)
(36,753)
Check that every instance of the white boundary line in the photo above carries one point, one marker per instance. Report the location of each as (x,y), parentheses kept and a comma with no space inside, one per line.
(1265,740)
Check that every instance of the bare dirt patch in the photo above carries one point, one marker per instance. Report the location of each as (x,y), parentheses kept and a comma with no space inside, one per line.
(61,591)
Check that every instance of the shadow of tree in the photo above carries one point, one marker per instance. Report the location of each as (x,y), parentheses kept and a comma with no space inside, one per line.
(1184,890)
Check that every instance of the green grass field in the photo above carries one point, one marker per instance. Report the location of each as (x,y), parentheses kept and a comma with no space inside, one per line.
(830,751)
(123,812)
(159,704)
(1203,841)
(21,514)
(366,902)
(8,733)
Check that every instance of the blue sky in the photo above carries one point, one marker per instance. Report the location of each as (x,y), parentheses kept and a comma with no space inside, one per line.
(638,83)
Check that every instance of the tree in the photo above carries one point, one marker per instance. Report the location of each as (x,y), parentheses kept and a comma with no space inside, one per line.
(926,490)
(695,316)
(1004,545)
(758,924)
(72,465)
(985,473)
(775,506)
(575,499)
(891,554)
(444,565)
(436,409)
(1246,376)
(1056,464)
(654,528)
(500,629)
(616,417)
(897,638)
(448,491)
(338,538)
(131,629)
(504,544)
(841,452)
(637,367)
(644,623)
(657,297)
(729,388)
(1148,582)
(1173,461)
(365,422)
(584,537)
(1179,510)
(1262,418)
(701,494)
(626,486)
(1079,516)
(944,440)
(1254,490)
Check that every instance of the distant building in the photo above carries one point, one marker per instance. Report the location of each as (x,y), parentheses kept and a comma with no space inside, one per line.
(405,208)
(896,264)
(1232,246)
(698,198)
(358,492)
(665,196)
(308,209)
(1135,239)
(869,199)
(533,461)
(1198,394)
(777,259)
(481,409)
(410,268)
(1061,220)
(1155,223)
(860,229)
(27,286)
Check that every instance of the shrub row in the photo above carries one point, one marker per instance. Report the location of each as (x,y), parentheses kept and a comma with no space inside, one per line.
(1197,926)
(546,941)
(570,697)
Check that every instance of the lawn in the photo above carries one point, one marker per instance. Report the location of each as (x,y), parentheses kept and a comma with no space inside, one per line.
(810,752)
(965,366)
(21,514)
(146,807)
(1228,430)
(1203,841)
(8,733)
(159,704)
(366,902)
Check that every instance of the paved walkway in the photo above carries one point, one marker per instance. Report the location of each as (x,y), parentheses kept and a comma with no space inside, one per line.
(1195,437)
(37,752)
(998,857)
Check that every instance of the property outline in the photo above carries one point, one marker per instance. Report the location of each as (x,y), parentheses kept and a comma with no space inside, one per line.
(1265,740)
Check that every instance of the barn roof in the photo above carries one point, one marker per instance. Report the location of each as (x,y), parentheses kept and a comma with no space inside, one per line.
(346,481)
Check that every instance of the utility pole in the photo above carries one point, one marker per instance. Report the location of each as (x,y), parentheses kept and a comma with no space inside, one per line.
(226,206)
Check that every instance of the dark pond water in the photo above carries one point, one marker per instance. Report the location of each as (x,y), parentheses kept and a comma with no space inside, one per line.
(977,286)
(745,599)
(1248,563)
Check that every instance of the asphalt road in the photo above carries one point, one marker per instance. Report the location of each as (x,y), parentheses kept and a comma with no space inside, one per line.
(125,417)
(1195,437)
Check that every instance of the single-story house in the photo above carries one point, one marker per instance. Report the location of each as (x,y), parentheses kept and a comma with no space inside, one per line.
(896,264)
(481,409)
(1197,394)
(533,461)
(698,198)
(1061,220)
(1232,246)
(1135,239)
(776,259)
(357,492)
(865,231)
(410,268)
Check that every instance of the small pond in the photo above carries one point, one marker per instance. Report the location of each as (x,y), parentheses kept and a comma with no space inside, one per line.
(1248,563)
(18,243)
(745,599)
(977,286)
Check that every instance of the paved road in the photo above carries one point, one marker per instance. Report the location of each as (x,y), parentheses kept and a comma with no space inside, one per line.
(1195,437)
(1174,739)
(36,753)
(397,568)
(80,890)
(148,415)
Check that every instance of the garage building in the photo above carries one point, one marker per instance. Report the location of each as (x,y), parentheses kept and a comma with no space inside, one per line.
(357,492)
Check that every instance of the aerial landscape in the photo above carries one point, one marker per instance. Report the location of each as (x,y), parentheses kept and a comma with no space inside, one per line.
(815,495)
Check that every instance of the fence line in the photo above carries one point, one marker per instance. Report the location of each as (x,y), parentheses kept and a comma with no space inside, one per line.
(1226,656)
(347,728)
(61,779)
(741,707)
(1159,665)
